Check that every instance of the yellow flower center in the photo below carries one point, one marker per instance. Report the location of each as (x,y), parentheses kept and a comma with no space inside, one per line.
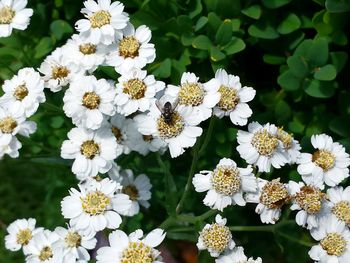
(87,49)
(129,47)
(342,211)
(20,92)
(60,72)
(7,125)
(45,254)
(264,142)
(285,138)
(24,236)
(6,15)
(229,98)
(137,253)
(191,94)
(226,180)
(131,191)
(90,149)
(274,194)
(216,237)
(73,239)
(91,100)
(309,198)
(147,138)
(95,203)
(171,129)
(135,88)
(324,159)
(100,18)
(117,133)
(334,244)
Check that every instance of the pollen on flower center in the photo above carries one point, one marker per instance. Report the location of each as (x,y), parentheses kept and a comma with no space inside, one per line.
(6,15)
(72,239)
(137,253)
(95,203)
(147,138)
(131,191)
(91,100)
(342,211)
(324,159)
(264,142)
(226,180)
(216,237)
(285,138)
(23,236)
(129,47)
(170,129)
(135,88)
(87,49)
(334,244)
(7,125)
(60,72)
(100,18)
(309,198)
(117,133)
(90,149)
(191,94)
(45,254)
(229,98)
(274,194)
(20,92)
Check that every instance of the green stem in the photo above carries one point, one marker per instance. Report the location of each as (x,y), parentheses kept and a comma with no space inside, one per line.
(269,228)
(51,107)
(295,240)
(208,135)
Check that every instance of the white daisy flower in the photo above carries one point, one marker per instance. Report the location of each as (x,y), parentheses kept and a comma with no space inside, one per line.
(136,91)
(138,189)
(234,98)
(14,15)
(9,145)
(58,70)
(25,91)
(75,244)
(236,255)
(334,241)
(96,206)
(93,151)
(133,50)
(132,248)
(225,185)
(261,147)
(20,232)
(201,97)
(178,132)
(89,101)
(328,164)
(339,203)
(309,201)
(270,197)
(216,238)
(289,145)
(104,21)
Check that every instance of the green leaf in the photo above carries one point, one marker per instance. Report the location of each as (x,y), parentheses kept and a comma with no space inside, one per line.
(289,25)
(338,59)
(57,122)
(298,66)
(164,69)
(275,3)
(338,6)
(288,81)
(318,89)
(216,54)
(214,21)
(282,110)
(273,59)
(224,33)
(318,52)
(44,47)
(234,46)
(60,28)
(202,21)
(326,73)
(202,42)
(264,31)
(197,9)
(253,11)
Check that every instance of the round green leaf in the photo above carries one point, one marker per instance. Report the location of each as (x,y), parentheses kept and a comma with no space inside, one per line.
(224,33)
(326,73)
(236,45)
(59,28)
(288,81)
(289,25)
(318,89)
(202,42)
(263,31)
(253,11)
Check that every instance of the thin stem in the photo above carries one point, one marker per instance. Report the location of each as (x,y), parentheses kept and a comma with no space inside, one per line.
(252,228)
(295,240)
(208,135)
(51,107)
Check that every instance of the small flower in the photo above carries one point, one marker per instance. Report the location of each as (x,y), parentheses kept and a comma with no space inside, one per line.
(93,151)
(25,91)
(236,255)
(133,50)
(234,98)
(104,21)
(96,206)
(89,101)
(334,241)
(216,238)
(132,248)
(225,185)
(328,164)
(14,15)
(289,145)
(339,203)
(261,147)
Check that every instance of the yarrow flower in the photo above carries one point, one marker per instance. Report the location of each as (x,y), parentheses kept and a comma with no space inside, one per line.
(236,255)
(132,248)
(289,145)
(225,185)
(338,203)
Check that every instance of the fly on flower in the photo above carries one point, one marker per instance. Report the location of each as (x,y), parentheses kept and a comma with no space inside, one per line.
(167,110)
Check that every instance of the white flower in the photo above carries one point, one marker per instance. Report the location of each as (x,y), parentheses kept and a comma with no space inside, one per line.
(138,189)
(58,70)
(93,151)
(234,98)
(133,50)
(216,237)
(9,146)
(25,90)
(261,147)
(178,132)
(123,248)
(334,241)
(104,21)
(225,185)
(20,232)
(136,91)
(309,201)
(114,173)
(339,203)
(75,244)
(236,255)
(96,206)
(328,164)
(201,97)
(289,145)
(13,15)
(89,101)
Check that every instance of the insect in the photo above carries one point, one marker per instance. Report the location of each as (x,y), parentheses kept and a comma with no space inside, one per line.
(167,110)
